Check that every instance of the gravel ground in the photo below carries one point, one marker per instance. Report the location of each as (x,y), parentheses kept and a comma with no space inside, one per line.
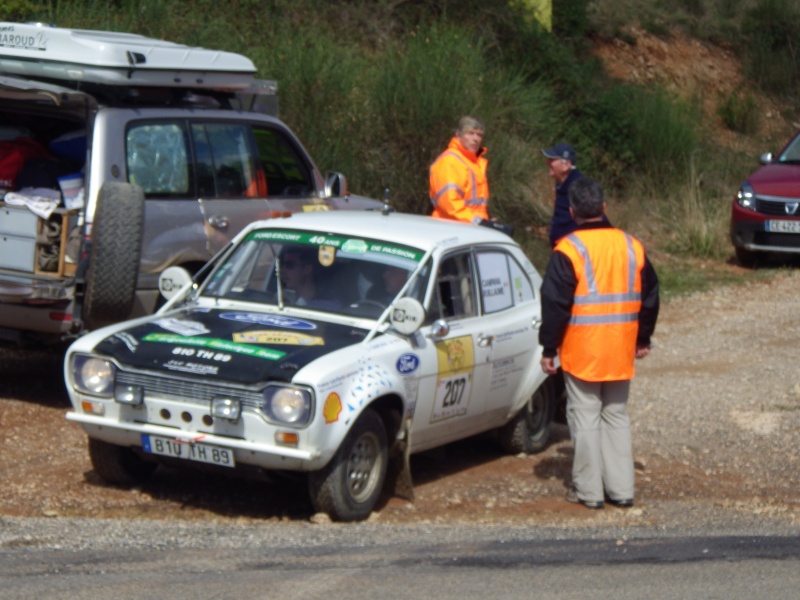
(715,411)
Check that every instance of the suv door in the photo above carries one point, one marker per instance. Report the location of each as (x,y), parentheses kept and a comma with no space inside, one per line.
(205,179)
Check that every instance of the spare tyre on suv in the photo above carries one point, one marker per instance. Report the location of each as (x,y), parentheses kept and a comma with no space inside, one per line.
(121,156)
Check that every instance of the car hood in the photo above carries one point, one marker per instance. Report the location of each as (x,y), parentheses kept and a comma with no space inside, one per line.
(233,345)
(781,180)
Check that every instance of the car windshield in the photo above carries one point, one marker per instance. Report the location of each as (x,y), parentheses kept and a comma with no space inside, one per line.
(791,154)
(325,272)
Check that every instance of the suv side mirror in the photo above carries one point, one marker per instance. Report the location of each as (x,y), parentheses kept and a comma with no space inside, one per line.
(336,185)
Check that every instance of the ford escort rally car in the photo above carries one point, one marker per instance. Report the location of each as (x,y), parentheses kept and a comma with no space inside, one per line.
(334,345)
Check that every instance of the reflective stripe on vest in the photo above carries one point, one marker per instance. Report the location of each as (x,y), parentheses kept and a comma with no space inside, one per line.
(471,201)
(594,297)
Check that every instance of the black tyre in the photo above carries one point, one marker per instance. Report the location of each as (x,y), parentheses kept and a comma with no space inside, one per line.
(115,249)
(529,430)
(746,258)
(348,487)
(118,465)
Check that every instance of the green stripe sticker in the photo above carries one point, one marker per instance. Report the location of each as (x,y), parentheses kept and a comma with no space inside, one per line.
(215,344)
(351,245)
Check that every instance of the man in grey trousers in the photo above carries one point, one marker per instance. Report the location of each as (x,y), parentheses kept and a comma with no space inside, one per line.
(599,308)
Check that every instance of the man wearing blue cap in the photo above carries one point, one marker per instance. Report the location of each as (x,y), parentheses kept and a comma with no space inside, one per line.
(561,164)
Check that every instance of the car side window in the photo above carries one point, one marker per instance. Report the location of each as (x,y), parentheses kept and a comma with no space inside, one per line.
(157,159)
(284,169)
(454,296)
(502,281)
(225,166)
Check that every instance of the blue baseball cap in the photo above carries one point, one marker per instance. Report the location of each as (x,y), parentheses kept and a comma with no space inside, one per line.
(564,151)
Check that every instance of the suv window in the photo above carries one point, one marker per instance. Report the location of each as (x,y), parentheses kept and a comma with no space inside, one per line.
(225,166)
(286,173)
(157,159)
(231,160)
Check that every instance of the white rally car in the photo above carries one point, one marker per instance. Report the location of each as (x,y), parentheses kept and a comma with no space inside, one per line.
(335,344)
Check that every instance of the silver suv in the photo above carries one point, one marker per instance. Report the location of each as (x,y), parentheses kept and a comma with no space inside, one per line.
(169,175)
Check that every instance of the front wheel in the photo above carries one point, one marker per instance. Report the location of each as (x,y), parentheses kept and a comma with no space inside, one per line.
(348,487)
(746,258)
(529,430)
(118,465)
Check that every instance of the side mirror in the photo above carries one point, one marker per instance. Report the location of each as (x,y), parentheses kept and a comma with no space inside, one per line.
(765,158)
(439,329)
(336,185)
(172,280)
(407,315)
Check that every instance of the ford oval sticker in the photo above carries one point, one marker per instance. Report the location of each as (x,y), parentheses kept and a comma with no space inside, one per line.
(269,320)
(407,363)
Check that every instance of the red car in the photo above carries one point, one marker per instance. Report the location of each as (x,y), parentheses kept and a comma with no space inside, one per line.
(765,214)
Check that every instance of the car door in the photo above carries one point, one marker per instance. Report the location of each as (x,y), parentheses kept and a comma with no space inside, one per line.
(510,318)
(456,356)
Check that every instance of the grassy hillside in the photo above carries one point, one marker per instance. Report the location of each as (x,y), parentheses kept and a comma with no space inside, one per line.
(374,88)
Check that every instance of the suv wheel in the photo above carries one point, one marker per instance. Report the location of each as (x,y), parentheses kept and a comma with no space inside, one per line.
(115,248)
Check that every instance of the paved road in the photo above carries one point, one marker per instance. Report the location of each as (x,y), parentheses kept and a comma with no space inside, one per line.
(79,558)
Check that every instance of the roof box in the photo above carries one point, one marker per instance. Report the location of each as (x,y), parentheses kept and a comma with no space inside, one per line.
(49,53)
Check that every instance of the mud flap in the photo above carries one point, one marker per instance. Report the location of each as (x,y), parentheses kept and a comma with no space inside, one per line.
(398,474)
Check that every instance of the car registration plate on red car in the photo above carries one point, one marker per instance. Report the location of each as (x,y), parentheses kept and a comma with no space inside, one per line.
(783,226)
(164,446)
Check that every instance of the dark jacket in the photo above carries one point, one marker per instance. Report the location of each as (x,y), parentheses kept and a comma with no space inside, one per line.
(562,224)
(558,292)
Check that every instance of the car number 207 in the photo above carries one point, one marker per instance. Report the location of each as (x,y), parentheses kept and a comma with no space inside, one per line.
(204,453)
(452,397)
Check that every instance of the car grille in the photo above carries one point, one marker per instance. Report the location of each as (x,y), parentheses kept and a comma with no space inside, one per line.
(775,207)
(190,391)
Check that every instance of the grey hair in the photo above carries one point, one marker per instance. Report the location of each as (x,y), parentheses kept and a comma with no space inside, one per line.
(586,198)
(467,123)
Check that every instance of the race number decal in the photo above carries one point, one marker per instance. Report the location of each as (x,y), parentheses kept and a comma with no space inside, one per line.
(456,360)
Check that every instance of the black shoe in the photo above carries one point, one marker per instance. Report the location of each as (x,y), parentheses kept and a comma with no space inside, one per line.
(572,496)
(627,503)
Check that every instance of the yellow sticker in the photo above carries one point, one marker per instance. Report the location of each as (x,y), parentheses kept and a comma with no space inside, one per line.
(332,408)
(286,338)
(315,207)
(326,255)
(455,356)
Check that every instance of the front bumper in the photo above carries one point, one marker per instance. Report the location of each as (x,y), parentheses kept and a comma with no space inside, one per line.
(748,231)
(259,454)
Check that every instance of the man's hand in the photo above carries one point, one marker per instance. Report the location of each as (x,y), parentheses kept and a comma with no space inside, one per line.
(642,351)
(549,365)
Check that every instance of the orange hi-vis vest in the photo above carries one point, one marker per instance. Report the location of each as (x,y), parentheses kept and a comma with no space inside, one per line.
(458,186)
(600,341)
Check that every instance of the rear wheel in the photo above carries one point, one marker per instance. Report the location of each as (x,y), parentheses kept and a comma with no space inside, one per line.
(115,249)
(529,430)
(348,487)
(118,465)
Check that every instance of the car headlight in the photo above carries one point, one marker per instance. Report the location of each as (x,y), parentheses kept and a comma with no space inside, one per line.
(287,405)
(746,198)
(93,376)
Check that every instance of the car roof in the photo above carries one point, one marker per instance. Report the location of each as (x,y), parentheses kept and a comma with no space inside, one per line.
(412,230)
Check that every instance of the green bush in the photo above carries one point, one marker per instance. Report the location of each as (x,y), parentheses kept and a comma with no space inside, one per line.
(740,113)
(772,28)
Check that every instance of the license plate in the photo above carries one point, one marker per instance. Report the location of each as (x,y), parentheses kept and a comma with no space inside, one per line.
(186,450)
(783,226)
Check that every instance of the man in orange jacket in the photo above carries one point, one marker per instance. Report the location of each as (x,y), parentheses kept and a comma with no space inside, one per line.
(599,309)
(459,189)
